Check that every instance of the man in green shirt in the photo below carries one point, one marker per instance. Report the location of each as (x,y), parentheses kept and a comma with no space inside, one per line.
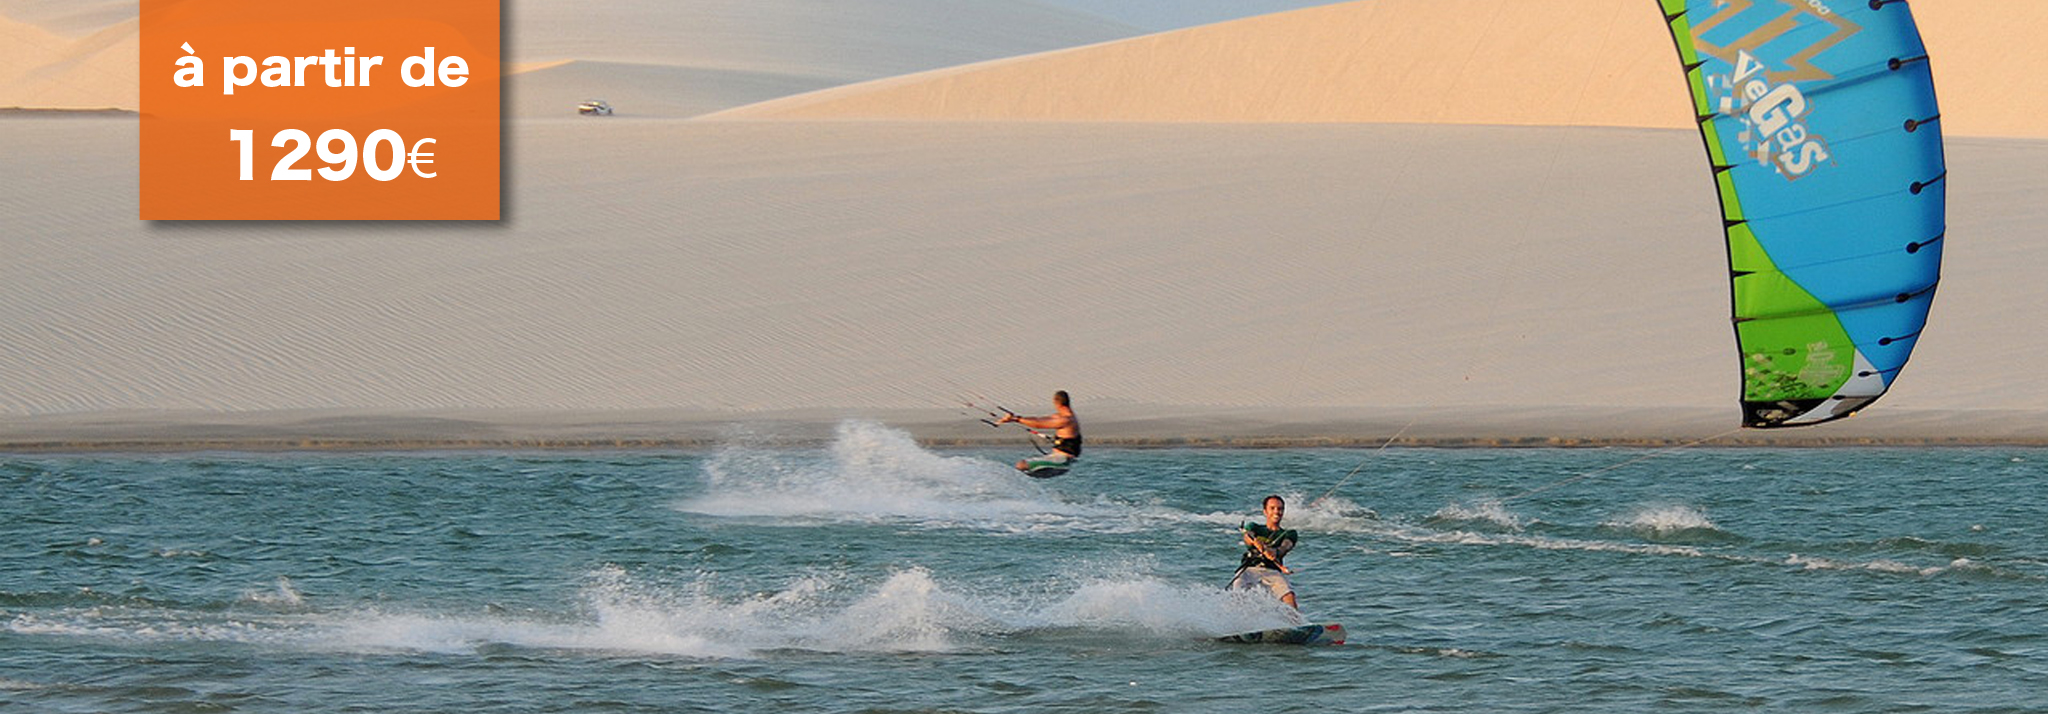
(1265,549)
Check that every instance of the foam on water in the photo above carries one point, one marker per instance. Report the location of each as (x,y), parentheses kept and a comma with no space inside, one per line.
(1155,608)
(283,596)
(1493,514)
(906,612)
(915,610)
(1317,515)
(909,610)
(1327,514)
(1886,566)
(872,472)
(383,632)
(1667,522)
(1464,537)
(140,625)
(1962,567)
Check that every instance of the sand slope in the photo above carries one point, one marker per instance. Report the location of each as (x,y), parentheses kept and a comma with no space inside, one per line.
(667,59)
(71,18)
(1986,56)
(645,90)
(1560,279)
(41,69)
(1602,63)
(842,40)
(1169,14)
(651,57)
(1185,278)
(23,47)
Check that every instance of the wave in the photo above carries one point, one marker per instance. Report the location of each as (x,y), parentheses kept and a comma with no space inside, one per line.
(1964,568)
(1324,515)
(909,610)
(1492,515)
(868,472)
(1466,537)
(1671,523)
(1956,567)
(282,596)
(709,616)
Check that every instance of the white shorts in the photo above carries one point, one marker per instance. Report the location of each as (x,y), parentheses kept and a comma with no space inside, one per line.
(1254,578)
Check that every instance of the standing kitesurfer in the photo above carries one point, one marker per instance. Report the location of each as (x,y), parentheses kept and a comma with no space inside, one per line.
(1066,442)
(1265,547)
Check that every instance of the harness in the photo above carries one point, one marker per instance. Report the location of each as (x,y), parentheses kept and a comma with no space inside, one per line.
(1069,444)
(1253,558)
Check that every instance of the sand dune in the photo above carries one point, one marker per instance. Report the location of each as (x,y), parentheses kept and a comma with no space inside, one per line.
(39,68)
(1159,15)
(93,72)
(1602,63)
(1414,61)
(1986,59)
(842,41)
(1187,279)
(644,90)
(23,47)
(1571,278)
(652,57)
(71,18)
(672,59)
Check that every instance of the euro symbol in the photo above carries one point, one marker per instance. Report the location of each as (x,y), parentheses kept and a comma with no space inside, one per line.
(416,157)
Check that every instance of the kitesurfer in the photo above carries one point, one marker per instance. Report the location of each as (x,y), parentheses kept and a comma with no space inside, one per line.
(1066,441)
(1265,548)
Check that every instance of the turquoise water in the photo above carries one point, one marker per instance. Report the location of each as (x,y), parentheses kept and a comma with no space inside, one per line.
(871,575)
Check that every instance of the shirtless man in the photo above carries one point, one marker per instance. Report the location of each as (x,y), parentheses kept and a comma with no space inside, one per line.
(1066,443)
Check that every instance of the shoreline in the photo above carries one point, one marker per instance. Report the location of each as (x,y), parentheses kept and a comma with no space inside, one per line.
(1117,427)
(140,448)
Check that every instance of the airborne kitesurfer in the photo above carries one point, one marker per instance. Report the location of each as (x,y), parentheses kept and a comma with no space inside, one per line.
(1066,442)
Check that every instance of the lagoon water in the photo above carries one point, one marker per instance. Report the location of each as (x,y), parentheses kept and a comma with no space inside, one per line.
(869,574)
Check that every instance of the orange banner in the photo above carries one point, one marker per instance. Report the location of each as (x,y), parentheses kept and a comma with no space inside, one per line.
(320,110)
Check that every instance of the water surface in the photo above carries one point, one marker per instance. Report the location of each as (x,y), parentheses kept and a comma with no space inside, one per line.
(869,574)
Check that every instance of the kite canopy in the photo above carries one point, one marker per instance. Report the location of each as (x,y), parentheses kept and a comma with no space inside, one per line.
(1820,122)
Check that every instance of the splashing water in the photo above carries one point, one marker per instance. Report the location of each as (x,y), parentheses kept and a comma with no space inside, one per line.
(858,572)
(868,471)
(284,596)
(1666,519)
(908,611)
(1668,522)
(1493,514)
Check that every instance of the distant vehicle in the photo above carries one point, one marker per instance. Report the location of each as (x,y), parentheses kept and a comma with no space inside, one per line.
(594,108)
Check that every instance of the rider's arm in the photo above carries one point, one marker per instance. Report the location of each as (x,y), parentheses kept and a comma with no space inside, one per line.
(1280,549)
(1054,421)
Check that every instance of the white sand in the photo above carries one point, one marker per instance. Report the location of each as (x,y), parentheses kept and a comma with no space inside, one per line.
(666,59)
(39,68)
(640,91)
(654,57)
(663,278)
(1604,63)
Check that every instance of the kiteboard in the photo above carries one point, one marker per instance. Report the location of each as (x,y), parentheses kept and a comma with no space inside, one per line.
(1311,634)
(1045,472)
